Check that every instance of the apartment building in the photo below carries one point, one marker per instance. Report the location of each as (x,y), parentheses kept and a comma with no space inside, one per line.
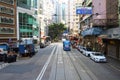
(8,29)
(45,15)
(73,18)
(76,17)
(100,29)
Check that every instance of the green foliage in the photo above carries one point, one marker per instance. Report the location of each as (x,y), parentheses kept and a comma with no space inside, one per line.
(55,30)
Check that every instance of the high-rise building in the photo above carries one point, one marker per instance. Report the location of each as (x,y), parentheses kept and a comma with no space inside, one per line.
(61,11)
(8,30)
(73,18)
(70,13)
(45,14)
(76,17)
(27,24)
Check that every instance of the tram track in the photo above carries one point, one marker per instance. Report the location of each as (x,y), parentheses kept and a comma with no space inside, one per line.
(83,66)
(77,64)
(72,61)
(60,65)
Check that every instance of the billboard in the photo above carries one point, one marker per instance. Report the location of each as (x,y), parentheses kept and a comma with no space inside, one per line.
(84,10)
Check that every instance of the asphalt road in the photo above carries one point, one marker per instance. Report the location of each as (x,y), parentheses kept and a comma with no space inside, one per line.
(52,63)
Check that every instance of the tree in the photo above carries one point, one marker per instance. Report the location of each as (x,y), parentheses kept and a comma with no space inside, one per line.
(55,30)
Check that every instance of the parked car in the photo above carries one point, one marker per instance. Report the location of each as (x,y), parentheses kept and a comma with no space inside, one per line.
(87,51)
(3,51)
(4,47)
(83,49)
(98,57)
(80,48)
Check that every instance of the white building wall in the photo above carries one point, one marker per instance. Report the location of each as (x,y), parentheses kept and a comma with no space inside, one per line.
(46,17)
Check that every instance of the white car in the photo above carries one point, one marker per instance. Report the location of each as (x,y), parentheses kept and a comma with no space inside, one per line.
(98,57)
(3,51)
(79,47)
(82,49)
(87,52)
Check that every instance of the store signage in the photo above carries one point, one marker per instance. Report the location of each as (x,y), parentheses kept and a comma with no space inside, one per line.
(84,10)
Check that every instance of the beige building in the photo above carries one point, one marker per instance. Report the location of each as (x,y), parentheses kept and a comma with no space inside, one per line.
(73,18)
(45,14)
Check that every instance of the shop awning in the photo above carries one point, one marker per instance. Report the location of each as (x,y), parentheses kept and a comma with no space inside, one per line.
(91,31)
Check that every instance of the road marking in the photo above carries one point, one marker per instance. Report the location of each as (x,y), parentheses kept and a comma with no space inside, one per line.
(3,65)
(60,61)
(45,66)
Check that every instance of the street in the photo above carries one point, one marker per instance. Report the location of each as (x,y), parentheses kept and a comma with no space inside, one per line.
(53,63)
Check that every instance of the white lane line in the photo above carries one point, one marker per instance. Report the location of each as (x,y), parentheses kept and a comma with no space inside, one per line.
(3,65)
(45,66)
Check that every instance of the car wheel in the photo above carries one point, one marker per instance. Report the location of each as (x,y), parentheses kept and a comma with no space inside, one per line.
(88,55)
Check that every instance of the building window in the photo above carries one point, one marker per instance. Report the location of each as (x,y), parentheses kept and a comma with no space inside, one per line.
(76,18)
(6,20)
(6,10)
(6,30)
(8,1)
(76,22)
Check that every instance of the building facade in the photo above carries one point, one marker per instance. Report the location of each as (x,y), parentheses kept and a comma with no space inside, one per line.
(8,29)
(73,18)
(27,24)
(45,15)
(104,17)
(76,17)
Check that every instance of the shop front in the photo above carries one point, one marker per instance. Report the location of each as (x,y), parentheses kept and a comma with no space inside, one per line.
(90,36)
(112,47)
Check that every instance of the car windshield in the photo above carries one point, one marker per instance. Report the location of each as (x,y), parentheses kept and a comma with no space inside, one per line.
(3,46)
(88,49)
(98,54)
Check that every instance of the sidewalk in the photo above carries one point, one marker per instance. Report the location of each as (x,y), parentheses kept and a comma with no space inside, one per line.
(114,63)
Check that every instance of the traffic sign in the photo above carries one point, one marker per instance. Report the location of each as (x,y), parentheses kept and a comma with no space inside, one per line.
(84,10)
